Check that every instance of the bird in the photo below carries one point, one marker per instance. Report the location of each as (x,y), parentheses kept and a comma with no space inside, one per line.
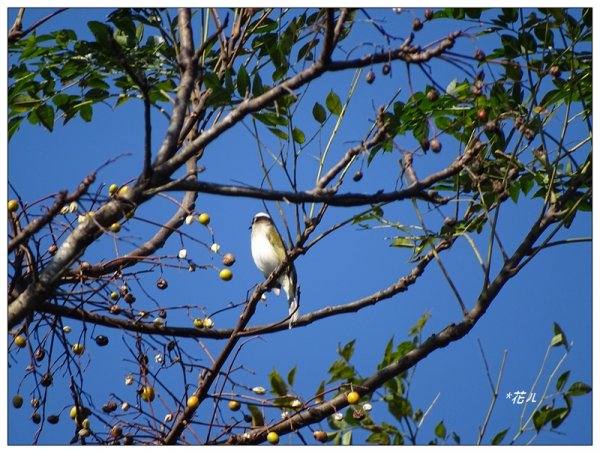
(268,252)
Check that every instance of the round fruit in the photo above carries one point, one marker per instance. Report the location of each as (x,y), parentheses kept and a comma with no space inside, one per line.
(148,394)
(36,418)
(417,24)
(370,77)
(357,176)
(116,431)
(101,340)
(17,401)
(20,341)
(13,205)
(161,283)
(321,436)
(226,275)
(433,95)
(234,405)
(435,145)
(73,412)
(198,323)
(123,190)
(115,296)
(428,14)
(273,438)
(112,189)
(115,227)
(129,298)
(353,397)
(46,380)
(52,419)
(204,219)
(386,69)
(228,259)
(193,402)
(78,348)
(482,115)
(39,354)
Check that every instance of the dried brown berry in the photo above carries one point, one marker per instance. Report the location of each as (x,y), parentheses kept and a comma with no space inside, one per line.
(101,340)
(129,298)
(114,309)
(433,95)
(39,354)
(428,14)
(228,259)
(370,77)
(555,71)
(479,55)
(52,419)
(386,69)
(417,24)
(161,283)
(435,145)
(52,249)
(320,436)
(482,115)
(46,380)
(109,407)
(36,418)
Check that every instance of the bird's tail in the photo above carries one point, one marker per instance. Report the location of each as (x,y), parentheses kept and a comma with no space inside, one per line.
(293,309)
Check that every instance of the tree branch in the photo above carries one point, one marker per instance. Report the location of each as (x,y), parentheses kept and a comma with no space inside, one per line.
(449,334)
(16,31)
(322,196)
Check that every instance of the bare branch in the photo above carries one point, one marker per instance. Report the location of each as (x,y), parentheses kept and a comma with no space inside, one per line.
(16,32)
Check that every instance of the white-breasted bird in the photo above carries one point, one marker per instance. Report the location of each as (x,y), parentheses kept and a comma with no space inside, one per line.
(268,252)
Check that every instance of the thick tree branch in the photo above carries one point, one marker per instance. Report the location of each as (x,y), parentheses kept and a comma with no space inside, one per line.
(189,64)
(37,224)
(323,196)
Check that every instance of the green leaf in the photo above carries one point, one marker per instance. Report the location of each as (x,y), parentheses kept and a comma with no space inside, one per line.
(23,103)
(347,351)
(347,438)
(14,124)
(319,113)
(418,327)
(340,370)
(578,389)
(562,380)
(85,111)
(257,416)
(243,81)
(559,337)
(298,136)
(278,386)
(498,438)
(45,114)
(402,241)
(440,430)
(101,31)
(279,133)
(291,376)
(333,103)
(379,438)
(320,392)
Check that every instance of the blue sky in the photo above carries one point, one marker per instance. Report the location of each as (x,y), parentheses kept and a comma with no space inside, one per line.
(554,287)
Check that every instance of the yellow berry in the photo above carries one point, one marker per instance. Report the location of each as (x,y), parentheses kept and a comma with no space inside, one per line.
(17,401)
(123,190)
(204,218)
(226,275)
(115,227)
(353,397)
(198,323)
(113,188)
(13,205)
(78,348)
(20,341)
(273,438)
(73,412)
(148,394)
(115,296)
(234,405)
(193,402)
